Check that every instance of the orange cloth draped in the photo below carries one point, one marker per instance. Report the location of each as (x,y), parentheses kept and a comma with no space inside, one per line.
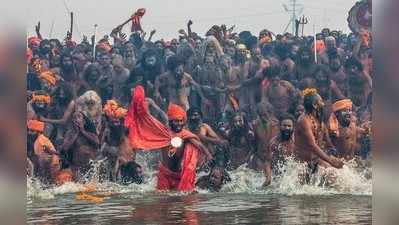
(147,133)
(35,125)
(333,121)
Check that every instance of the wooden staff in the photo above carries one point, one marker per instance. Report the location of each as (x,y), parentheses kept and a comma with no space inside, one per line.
(94,42)
(71,28)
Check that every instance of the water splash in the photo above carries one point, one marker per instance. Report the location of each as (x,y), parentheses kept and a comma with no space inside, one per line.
(353,179)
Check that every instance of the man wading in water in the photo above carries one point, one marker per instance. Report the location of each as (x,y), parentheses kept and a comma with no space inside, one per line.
(177,170)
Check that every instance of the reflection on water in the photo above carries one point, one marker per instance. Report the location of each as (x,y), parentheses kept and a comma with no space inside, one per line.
(204,209)
(240,202)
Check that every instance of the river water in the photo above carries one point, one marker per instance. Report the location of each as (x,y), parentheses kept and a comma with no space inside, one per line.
(242,201)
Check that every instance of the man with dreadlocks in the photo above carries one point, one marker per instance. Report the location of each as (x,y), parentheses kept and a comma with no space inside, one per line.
(311,135)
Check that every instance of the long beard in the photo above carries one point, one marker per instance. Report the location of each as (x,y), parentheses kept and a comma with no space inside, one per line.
(117,133)
(194,124)
(285,134)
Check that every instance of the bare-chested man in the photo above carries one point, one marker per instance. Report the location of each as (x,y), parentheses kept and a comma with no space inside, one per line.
(265,127)
(115,143)
(84,143)
(180,147)
(359,83)
(206,134)
(41,152)
(311,136)
(280,148)
(175,84)
(281,94)
(344,133)
(241,140)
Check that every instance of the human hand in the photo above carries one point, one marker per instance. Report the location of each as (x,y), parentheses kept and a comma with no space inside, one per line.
(335,162)
(153,32)
(190,22)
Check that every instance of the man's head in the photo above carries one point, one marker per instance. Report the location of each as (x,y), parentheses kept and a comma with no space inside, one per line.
(40,100)
(63,94)
(150,58)
(194,116)
(114,113)
(66,62)
(104,59)
(176,65)
(312,102)
(305,55)
(286,126)
(177,117)
(91,74)
(273,72)
(330,42)
(79,61)
(325,32)
(132,172)
(45,47)
(343,111)
(174,44)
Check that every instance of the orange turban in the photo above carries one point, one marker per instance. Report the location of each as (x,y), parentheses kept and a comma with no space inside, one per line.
(337,106)
(36,125)
(113,110)
(41,98)
(48,76)
(176,112)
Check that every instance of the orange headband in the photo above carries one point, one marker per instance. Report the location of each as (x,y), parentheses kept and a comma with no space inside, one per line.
(36,125)
(49,77)
(41,98)
(342,104)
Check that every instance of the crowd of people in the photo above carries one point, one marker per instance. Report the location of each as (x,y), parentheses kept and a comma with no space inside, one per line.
(208,103)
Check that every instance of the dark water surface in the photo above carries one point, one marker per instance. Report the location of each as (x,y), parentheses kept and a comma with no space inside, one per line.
(221,208)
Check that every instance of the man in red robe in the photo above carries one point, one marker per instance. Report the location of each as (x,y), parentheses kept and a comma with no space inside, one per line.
(177,170)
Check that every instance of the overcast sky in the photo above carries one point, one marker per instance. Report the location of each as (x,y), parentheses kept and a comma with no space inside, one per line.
(167,16)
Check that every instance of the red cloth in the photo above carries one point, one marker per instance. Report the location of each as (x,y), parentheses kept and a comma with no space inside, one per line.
(136,26)
(147,133)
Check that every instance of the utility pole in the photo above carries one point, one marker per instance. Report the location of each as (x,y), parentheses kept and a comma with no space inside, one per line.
(294,9)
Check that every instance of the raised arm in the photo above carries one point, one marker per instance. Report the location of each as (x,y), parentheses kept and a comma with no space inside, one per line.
(67,114)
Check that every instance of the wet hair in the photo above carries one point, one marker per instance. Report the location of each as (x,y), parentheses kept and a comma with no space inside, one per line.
(173,62)
(193,110)
(353,61)
(308,102)
(129,172)
(88,70)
